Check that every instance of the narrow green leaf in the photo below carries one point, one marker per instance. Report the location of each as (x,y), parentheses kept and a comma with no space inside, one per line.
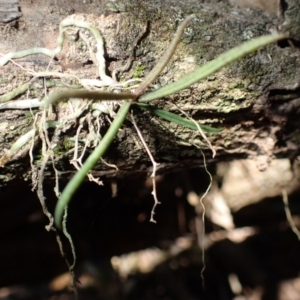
(164,114)
(212,67)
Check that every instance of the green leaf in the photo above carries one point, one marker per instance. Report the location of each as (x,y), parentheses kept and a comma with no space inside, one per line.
(211,67)
(164,114)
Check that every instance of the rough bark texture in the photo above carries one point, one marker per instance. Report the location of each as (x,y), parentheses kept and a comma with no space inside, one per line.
(255,99)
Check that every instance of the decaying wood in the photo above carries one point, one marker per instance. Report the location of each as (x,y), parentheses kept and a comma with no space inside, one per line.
(255,100)
(9,10)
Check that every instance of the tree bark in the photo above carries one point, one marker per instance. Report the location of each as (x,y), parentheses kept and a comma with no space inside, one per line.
(254,100)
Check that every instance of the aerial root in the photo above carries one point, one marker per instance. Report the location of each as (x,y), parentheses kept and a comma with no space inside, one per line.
(154,164)
(289,214)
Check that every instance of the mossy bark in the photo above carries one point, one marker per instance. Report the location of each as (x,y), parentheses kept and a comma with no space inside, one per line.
(254,100)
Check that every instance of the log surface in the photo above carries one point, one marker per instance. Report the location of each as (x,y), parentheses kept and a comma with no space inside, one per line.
(255,100)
